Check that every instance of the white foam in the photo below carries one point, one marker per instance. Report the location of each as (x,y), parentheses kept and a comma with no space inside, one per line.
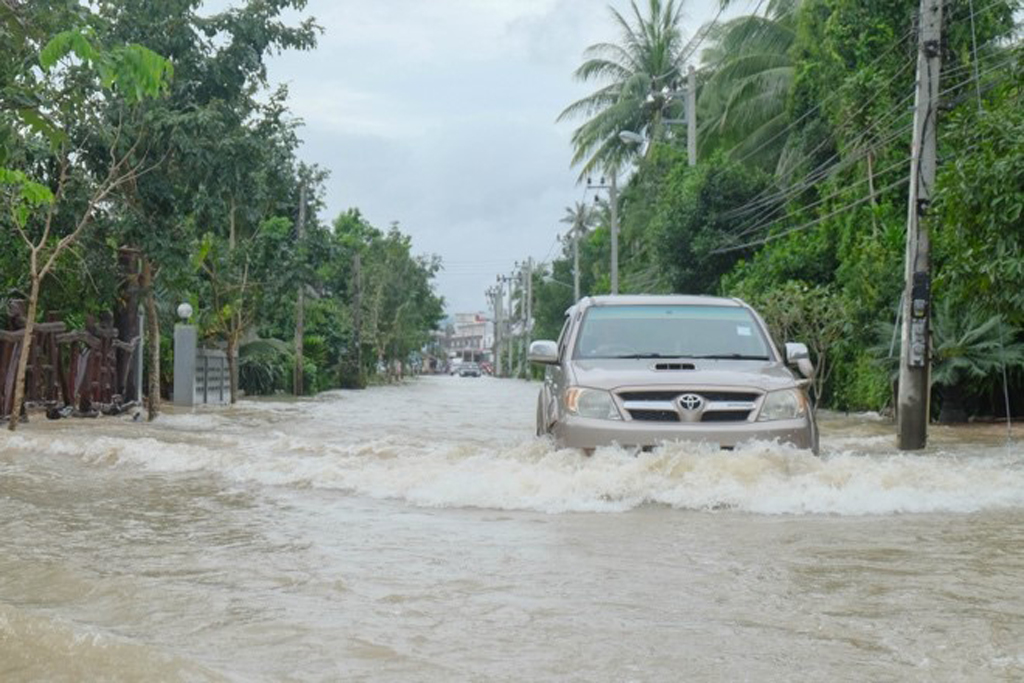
(531,474)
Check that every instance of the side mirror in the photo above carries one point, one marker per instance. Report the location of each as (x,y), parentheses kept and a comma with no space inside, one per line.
(543,351)
(799,357)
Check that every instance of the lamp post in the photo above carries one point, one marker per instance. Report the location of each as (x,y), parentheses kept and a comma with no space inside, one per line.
(185,349)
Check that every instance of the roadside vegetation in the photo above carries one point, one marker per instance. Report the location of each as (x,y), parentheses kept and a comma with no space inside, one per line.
(151,125)
(798,201)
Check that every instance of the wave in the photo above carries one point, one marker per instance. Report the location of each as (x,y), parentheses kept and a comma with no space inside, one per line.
(763,478)
(36,647)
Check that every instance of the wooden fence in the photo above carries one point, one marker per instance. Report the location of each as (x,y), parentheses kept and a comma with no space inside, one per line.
(80,372)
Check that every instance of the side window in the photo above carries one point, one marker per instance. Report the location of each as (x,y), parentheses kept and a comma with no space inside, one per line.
(563,337)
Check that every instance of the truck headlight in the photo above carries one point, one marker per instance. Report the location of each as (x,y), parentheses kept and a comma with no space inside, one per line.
(591,403)
(787,404)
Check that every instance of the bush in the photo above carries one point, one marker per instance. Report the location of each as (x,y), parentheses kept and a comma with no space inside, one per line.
(264,367)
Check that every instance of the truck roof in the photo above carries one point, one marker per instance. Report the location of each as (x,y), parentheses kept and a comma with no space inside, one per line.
(656,300)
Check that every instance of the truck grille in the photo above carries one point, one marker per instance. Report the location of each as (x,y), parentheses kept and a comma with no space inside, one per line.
(659,405)
(654,415)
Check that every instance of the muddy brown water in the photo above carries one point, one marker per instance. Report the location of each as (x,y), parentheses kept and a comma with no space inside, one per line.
(420,533)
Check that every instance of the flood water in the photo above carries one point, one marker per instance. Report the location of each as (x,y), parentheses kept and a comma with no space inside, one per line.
(421,533)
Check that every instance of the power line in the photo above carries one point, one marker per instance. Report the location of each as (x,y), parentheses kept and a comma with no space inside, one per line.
(812,223)
(769,220)
(777,201)
(763,196)
(835,93)
(821,171)
(820,219)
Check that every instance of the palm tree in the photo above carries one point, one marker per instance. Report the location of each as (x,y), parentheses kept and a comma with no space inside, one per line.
(647,59)
(742,104)
(969,349)
(580,217)
(969,346)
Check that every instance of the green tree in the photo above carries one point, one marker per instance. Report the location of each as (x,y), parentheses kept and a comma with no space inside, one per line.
(646,59)
(743,103)
(73,95)
(228,142)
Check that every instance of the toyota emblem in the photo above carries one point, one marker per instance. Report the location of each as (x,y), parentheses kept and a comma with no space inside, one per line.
(691,402)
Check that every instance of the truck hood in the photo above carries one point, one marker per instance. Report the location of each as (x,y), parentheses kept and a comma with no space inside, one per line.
(610,374)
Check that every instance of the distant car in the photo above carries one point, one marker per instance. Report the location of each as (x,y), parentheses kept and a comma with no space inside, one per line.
(469,370)
(641,370)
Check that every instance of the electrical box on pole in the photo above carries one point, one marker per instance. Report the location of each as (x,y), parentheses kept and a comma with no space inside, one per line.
(915,358)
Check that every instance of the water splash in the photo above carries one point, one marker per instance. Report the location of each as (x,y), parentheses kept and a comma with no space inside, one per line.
(531,474)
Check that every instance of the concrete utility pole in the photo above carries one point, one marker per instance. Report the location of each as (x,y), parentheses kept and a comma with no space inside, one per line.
(613,199)
(300,302)
(915,357)
(496,295)
(511,342)
(576,263)
(527,323)
(613,205)
(691,116)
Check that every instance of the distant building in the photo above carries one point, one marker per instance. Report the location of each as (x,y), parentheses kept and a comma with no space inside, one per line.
(470,338)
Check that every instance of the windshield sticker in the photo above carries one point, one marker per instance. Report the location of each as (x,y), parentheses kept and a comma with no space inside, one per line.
(743,330)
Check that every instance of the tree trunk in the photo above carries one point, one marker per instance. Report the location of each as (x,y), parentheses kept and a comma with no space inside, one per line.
(231,225)
(26,348)
(232,375)
(357,320)
(153,339)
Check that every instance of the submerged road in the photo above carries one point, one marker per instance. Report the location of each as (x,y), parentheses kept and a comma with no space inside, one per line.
(421,533)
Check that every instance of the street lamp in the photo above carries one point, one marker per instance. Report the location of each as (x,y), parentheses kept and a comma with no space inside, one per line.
(550,280)
(667,94)
(632,138)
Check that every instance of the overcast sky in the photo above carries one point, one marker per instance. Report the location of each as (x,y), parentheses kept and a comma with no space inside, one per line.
(440,114)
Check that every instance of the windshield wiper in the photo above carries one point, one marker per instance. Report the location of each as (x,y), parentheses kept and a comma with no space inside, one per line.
(639,356)
(729,356)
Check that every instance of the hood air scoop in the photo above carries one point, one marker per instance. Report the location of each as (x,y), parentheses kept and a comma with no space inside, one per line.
(674,366)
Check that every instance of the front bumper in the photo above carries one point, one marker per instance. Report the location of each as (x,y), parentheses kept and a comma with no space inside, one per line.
(588,433)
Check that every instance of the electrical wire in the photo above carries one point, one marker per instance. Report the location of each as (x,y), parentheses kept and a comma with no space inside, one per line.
(767,221)
(763,197)
(835,93)
(809,224)
(782,197)
(820,172)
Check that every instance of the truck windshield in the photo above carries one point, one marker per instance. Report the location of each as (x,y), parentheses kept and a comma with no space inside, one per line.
(671,331)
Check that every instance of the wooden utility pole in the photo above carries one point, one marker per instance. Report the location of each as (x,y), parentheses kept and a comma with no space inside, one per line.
(298,387)
(691,116)
(915,357)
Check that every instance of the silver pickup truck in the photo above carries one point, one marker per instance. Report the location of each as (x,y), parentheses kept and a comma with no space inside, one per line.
(638,371)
